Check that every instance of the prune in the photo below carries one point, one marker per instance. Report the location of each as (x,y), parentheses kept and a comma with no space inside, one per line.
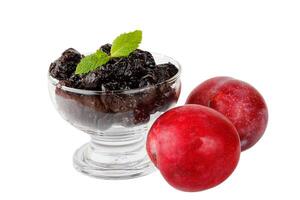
(74,81)
(65,65)
(147,80)
(165,71)
(140,116)
(106,48)
(91,81)
(144,56)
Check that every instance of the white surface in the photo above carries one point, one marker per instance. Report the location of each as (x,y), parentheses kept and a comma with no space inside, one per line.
(257,41)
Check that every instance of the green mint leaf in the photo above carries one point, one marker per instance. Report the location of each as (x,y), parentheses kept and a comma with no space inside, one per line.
(126,43)
(92,62)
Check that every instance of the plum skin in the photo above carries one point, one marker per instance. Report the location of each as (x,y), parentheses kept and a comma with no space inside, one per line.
(239,101)
(194,147)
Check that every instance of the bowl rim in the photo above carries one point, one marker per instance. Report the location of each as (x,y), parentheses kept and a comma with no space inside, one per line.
(55,81)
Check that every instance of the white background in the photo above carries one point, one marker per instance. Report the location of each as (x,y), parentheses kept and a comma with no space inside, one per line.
(256,41)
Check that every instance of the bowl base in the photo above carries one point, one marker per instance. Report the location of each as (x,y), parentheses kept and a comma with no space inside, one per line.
(112,160)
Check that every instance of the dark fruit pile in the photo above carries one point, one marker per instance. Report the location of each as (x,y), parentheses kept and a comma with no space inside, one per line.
(135,71)
(102,110)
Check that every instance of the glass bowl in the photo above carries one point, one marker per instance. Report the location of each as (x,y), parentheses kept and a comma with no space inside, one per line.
(117,122)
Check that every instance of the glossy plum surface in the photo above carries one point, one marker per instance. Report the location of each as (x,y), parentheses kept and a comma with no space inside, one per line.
(194,147)
(239,101)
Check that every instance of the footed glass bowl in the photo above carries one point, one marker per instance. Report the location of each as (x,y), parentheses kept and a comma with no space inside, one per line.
(118,123)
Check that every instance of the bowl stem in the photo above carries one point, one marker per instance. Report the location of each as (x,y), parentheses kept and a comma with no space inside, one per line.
(117,155)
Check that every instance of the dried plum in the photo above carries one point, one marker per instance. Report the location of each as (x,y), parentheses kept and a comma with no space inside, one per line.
(165,71)
(65,65)
(106,48)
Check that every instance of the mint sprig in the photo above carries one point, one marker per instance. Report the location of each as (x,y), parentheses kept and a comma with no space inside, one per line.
(92,62)
(126,43)
(122,46)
